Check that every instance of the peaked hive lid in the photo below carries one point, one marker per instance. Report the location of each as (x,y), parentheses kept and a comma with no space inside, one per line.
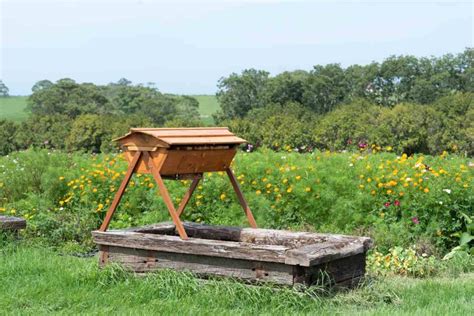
(189,136)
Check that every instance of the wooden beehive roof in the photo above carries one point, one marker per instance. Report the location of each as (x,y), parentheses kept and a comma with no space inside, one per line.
(185,136)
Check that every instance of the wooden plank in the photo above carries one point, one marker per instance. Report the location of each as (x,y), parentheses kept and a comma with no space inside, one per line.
(240,197)
(197,161)
(188,195)
(155,171)
(259,236)
(205,247)
(203,140)
(139,261)
(120,191)
(318,253)
(12,223)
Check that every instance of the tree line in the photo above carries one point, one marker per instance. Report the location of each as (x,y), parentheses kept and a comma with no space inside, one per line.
(407,103)
(84,116)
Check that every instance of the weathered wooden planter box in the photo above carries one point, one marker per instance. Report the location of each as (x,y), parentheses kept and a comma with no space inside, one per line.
(249,254)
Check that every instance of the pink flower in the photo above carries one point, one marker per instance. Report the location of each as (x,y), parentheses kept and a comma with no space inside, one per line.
(386,204)
(415,220)
(396,203)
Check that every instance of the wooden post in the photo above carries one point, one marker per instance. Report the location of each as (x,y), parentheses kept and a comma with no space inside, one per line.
(188,195)
(241,198)
(155,171)
(121,190)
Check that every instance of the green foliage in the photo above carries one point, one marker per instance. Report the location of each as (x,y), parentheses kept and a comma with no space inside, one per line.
(7,137)
(397,200)
(398,79)
(238,94)
(276,126)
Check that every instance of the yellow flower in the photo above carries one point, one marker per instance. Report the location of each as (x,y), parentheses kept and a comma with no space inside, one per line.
(389,191)
(100,207)
(13,212)
(298,177)
(289,190)
(308,189)
(258,192)
(151,185)
(269,185)
(61,178)
(199,196)
(254,182)
(285,181)
(361,186)
(2,209)
(426,190)
(222,196)
(264,180)
(401,194)
(369,180)
(94,190)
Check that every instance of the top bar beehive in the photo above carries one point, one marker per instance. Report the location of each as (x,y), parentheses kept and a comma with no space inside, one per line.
(178,153)
(181,151)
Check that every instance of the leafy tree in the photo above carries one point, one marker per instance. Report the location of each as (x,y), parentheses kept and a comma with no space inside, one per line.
(407,127)
(8,142)
(238,94)
(69,98)
(88,132)
(41,85)
(347,126)
(325,88)
(286,87)
(3,89)
(457,131)
(44,131)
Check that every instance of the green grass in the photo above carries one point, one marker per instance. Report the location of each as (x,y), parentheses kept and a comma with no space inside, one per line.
(207,106)
(40,281)
(13,108)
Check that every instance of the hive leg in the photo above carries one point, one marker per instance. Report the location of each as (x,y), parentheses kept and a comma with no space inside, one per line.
(166,196)
(188,195)
(241,198)
(121,190)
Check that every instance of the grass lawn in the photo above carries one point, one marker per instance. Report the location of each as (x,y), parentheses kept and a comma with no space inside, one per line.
(40,281)
(12,108)
(207,106)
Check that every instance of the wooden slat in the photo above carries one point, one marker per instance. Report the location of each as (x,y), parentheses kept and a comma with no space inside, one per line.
(318,253)
(155,171)
(205,247)
(240,197)
(196,140)
(120,191)
(139,260)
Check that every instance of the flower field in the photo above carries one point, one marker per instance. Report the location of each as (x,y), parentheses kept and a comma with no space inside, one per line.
(418,201)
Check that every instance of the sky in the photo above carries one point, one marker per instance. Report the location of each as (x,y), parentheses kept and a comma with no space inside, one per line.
(184,47)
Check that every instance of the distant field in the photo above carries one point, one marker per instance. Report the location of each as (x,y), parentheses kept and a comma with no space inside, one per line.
(207,106)
(12,108)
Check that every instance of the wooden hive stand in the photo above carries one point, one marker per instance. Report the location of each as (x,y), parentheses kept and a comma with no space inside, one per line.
(175,154)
